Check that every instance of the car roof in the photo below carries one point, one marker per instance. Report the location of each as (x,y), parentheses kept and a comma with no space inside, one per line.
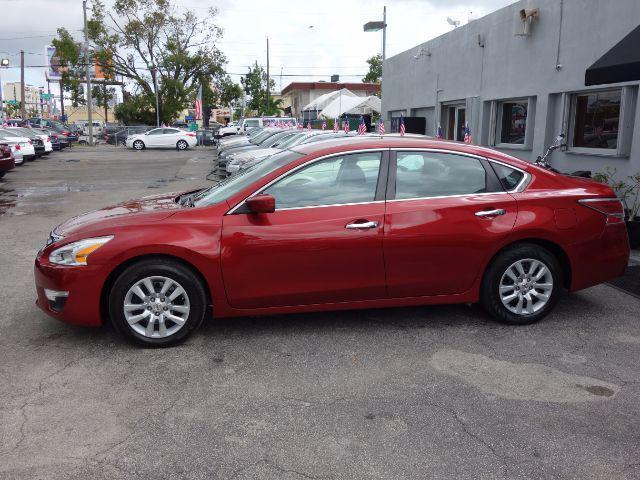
(348,143)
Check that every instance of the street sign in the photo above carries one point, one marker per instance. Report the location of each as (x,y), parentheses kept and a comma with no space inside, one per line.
(47,96)
(13,102)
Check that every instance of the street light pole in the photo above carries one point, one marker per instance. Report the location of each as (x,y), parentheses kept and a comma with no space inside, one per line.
(268,78)
(87,58)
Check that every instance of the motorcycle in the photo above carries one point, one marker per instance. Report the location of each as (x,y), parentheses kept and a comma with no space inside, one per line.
(559,142)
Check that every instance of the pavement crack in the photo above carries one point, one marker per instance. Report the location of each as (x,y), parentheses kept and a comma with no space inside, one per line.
(275,466)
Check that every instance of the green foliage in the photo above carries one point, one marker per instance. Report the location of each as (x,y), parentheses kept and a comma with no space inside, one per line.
(628,192)
(229,92)
(137,109)
(146,40)
(374,75)
(72,61)
(255,84)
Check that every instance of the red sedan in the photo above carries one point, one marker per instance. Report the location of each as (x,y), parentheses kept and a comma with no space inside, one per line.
(342,224)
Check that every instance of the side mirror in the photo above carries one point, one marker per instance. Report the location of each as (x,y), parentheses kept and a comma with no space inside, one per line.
(263,203)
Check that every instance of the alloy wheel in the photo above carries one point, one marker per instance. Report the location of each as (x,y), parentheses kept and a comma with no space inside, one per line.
(138,145)
(526,286)
(156,307)
(182,145)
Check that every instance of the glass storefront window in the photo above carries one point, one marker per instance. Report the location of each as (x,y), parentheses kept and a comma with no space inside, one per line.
(597,118)
(514,122)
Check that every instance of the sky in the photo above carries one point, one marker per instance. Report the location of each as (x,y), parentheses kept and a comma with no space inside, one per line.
(308,40)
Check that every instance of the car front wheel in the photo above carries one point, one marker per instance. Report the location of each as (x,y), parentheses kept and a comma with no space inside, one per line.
(138,145)
(522,284)
(157,303)
(182,145)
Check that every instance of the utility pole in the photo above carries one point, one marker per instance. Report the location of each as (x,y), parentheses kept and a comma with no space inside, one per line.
(384,33)
(268,78)
(87,58)
(106,104)
(23,110)
(61,99)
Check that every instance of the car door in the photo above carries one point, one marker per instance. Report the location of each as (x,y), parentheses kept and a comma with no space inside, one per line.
(322,244)
(445,212)
(153,138)
(171,136)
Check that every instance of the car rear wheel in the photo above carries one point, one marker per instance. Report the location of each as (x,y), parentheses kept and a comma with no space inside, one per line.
(182,145)
(157,303)
(138,145)
(522,284)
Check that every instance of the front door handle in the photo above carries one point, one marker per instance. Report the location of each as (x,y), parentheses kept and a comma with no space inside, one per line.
(491,213)
(361,225)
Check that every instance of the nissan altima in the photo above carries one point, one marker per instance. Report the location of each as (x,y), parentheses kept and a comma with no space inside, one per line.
(358,222)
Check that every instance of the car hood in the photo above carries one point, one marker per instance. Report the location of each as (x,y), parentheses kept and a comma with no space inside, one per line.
(143,210)
(258,153)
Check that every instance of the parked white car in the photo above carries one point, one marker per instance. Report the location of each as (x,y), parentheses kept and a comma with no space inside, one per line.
(16,151)
(26,147)
(162,138)
(46,140)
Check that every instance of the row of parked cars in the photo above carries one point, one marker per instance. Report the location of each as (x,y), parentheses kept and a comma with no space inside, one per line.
(25,140)
(240,152)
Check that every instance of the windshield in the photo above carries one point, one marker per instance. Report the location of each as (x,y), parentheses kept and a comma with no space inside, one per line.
(8,133)
(270,142)
(258,139)
(293,140)
(238,182)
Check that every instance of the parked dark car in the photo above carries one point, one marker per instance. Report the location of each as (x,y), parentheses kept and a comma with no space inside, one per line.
(7,161)
(117,134)
(61,128)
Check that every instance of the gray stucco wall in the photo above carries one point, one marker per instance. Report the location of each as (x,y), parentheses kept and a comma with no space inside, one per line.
(454,67)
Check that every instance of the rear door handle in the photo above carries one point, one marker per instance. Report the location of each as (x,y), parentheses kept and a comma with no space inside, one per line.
(361,226)
(491,213)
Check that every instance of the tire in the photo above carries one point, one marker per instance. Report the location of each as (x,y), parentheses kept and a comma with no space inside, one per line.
(536,298)
(138,145)
(2,174)
(189,305)
(182,145)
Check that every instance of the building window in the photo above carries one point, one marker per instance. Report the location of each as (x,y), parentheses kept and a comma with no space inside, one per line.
(513,122)
(597,119)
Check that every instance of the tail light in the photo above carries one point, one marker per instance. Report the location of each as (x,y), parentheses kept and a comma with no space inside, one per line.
(29,142)
(191,134)
(66,134)
(18,146)
(611,208)
(48,139)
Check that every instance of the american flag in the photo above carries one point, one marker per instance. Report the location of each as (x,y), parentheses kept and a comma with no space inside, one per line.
(346,126)
(289,124)
(467,133)
(324,124)
(439,132)
(336,125)
(362,128)
(402,129)
(308,125)
(381,127)
(199,104)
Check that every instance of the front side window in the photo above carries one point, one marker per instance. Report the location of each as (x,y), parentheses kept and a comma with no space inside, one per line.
(333,181)
(513,122)
(171,131)
(156,131)
(596,119)
(431,174)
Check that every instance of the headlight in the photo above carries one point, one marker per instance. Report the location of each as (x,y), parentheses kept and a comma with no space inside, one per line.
(76,253)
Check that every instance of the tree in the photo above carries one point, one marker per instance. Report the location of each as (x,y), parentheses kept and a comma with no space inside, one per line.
(255,84)
(72,61)
(374,75)
(229,92)
(147,42)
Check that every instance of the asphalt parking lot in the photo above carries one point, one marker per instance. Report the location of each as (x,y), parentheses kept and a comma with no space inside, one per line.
(434,392)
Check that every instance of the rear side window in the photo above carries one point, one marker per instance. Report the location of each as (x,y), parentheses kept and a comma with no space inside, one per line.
(509,177)
(432,174)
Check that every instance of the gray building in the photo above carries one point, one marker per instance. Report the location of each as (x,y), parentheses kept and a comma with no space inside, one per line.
(518,84)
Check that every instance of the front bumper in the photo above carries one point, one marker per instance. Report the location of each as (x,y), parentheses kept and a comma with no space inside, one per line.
(74,291)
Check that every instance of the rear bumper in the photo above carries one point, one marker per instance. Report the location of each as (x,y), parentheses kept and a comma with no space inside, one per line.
(7,164)
(82,286)
(599,260)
